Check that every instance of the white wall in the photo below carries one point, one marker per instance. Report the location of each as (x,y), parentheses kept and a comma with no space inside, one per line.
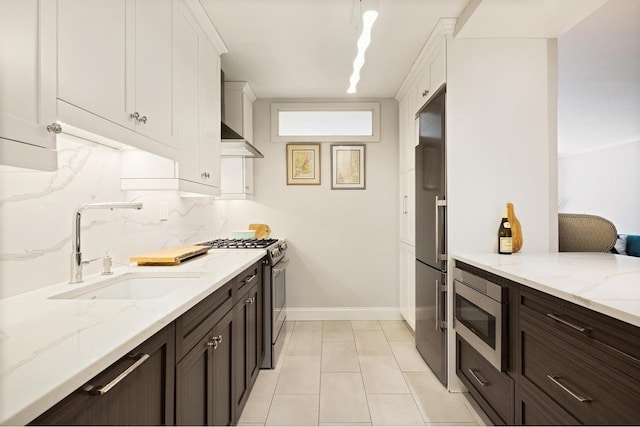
(599,79)
(501,123)
(343,244)
(36,210)
(599,116)
(603,182)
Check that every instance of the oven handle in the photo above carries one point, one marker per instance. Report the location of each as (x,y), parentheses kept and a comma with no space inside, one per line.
(280,267)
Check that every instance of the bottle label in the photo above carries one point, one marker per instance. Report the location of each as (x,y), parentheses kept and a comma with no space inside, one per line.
(506,245)
(506,224)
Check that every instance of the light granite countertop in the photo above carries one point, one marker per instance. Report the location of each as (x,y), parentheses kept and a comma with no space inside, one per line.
(50,347)
(602,282)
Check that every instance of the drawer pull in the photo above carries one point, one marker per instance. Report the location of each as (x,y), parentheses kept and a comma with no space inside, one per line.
(556,380)
(477,378)
(99,391)
(248,279)
(569,324)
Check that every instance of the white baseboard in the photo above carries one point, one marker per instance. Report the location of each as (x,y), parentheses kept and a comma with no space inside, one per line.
(343,313)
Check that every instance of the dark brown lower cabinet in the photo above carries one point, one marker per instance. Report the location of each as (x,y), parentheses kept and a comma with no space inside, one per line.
(144,396)
(536,409)
(568,365)
(249,348)
(205,380)
(492,389)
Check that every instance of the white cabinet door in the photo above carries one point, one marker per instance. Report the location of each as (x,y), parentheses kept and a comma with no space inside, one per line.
(197,102)
(248,176)
(438,67)
(27,83)
(92,57)
(185,66)
(407,207)
(209,113)
(153,72)
(423,89)
(407,279)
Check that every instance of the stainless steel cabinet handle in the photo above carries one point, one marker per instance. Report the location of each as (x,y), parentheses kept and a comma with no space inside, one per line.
(143,119)
(219,339)
(477,378)
(569,324)
(99,391)
(556,380)
(404,204)
(213,344)
(54,128)
(249,300)
(424,93)
(135,116)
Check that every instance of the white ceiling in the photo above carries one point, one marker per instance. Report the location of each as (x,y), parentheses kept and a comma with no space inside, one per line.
(522,18)
(305,48)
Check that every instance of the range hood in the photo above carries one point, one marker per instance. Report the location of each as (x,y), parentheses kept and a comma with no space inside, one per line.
(233,144)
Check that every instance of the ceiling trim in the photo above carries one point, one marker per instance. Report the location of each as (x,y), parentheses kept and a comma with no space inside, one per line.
(206,24)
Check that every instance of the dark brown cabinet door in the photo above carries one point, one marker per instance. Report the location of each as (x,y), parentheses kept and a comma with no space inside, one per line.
(204,379)
(194,393)
(224,411)
(536,409)
(249,343)
(144,396)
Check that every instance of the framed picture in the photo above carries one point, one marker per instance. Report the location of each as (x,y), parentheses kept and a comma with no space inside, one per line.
(348,167)
(303,164)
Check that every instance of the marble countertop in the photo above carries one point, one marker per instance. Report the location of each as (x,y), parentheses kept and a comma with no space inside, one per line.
(606,283)
(50,347)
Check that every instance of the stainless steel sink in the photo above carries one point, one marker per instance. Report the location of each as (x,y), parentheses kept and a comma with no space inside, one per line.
(132,286)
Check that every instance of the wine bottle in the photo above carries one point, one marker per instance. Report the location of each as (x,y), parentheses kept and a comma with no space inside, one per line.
(505,240)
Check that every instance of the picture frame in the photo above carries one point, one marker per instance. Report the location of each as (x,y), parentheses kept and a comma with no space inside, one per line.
(348,166)
(303,164)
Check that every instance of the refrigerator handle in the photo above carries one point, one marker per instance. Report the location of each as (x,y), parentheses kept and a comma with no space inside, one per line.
(439,256)
(437,303)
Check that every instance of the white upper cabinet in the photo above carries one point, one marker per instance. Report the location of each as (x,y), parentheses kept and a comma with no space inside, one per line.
(433,74)
(195,118)
(209,113)
(237,172)
(197,103)
(114,70)
(28,84)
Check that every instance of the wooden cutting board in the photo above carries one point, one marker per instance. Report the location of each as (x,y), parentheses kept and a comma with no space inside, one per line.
(170,256)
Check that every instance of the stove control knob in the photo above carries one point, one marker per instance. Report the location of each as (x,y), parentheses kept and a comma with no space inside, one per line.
(283,246)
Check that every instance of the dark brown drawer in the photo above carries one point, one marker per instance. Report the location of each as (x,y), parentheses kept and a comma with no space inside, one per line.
(487,385)
(247,279)
(195,323)
(611,340)
(591,391)
(536,409)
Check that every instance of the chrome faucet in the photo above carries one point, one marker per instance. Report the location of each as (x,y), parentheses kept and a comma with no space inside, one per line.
(76,254)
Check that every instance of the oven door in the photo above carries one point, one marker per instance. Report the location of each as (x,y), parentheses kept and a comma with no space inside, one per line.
(481,321)
(278,296)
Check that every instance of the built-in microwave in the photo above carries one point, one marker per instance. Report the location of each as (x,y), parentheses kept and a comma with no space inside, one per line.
(480,316)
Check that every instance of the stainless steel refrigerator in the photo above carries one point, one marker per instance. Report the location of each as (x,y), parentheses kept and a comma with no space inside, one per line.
(431,236)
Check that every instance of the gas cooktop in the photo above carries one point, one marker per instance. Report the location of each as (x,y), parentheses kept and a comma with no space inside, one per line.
(240,243)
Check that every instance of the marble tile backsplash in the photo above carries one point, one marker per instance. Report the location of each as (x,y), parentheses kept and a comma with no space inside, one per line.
(36,210)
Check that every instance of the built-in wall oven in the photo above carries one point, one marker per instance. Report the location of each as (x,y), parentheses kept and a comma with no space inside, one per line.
(480,316)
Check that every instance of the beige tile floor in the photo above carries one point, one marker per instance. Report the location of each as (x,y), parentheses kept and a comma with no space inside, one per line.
(347,373)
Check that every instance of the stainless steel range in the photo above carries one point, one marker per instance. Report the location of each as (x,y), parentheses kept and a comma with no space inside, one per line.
(275,292)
